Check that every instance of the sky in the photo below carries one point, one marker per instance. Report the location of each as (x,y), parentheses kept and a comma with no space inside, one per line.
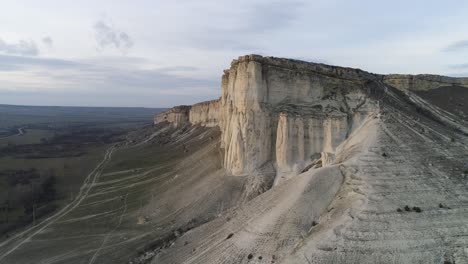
(153,53)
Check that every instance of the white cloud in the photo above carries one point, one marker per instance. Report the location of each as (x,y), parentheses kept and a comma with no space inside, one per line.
(183,46)
(48,42)
(457,46)
(108,36)
(22,47)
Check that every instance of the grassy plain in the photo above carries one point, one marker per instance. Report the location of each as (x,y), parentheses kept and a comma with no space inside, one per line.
(63,143)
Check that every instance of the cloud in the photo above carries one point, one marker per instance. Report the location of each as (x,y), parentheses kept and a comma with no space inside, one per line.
(23,47)
(457,46)
(458,66)
(108,36)
(48,42)
(272,15)
(10,63)
(240,29)
(36,74)
(178,69)
(459,75)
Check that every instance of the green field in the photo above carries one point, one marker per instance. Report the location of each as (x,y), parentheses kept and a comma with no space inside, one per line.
(43,167)
(31,136)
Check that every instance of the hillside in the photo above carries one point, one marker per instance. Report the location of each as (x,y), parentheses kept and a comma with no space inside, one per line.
(297,162)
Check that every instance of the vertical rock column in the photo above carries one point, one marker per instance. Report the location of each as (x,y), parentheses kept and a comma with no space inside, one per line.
(245,124)
(290,143)
(282,143)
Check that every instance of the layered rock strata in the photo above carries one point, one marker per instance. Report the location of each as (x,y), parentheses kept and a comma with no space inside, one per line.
(204,114)
(285,112)
(178,116)
(422,82)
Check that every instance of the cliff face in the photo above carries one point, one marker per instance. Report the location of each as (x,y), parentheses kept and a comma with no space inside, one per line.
(422,82)
(282,113)
(376,165)
(178,116)
(286,112)
(203,114)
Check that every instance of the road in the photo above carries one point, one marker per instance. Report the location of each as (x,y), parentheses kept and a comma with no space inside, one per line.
(10,245)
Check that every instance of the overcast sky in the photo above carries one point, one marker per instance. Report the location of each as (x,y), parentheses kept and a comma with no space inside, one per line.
(163,53)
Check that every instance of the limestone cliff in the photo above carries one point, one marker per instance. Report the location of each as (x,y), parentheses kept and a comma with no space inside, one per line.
(178,115)
(285,112)
(203,114)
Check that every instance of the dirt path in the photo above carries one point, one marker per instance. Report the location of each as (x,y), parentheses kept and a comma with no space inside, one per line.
(12,244)
(21,132)
(104,241)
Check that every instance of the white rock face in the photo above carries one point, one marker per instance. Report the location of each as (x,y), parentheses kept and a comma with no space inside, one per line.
(205,113)
(178,116)
(284,112)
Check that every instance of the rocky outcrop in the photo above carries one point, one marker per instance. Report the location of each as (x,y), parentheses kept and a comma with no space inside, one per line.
(202,114)
(178,115)
(284,112)
(205,113)
(422,82)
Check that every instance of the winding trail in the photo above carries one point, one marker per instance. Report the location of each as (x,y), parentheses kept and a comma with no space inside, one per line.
(21,131)
(10,245)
